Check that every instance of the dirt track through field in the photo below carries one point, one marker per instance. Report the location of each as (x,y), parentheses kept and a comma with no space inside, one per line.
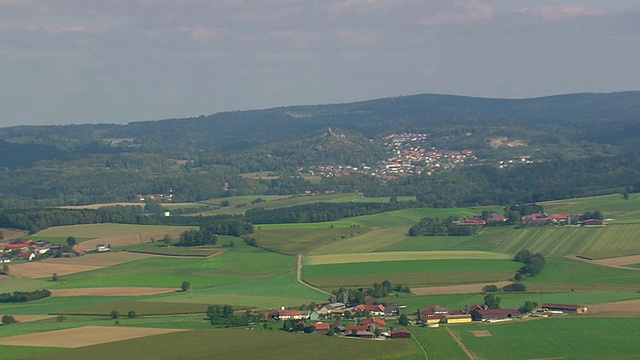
(83,336)
(470,355)
(66,266)
(113,291)
(456,289)
(617,262)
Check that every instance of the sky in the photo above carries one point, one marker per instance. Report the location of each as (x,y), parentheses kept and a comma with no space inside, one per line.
(119,61)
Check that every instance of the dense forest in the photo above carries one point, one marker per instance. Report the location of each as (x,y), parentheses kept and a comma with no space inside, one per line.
(580,145)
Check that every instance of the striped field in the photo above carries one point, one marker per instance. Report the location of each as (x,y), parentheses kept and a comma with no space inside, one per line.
(401,256)
(370,241)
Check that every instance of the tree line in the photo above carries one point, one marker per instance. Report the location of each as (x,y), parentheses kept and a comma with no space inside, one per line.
(428,226)
(24,296)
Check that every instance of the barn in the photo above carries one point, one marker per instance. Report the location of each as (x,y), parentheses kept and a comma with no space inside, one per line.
(480,314)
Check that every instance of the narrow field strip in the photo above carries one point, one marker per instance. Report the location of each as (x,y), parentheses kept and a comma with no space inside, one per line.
(83,336)
(113,291)
(400,256)
(456,289)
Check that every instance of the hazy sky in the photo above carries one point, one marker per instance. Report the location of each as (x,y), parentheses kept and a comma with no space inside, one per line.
(117,61)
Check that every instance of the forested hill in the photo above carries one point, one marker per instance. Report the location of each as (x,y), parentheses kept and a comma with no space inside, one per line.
(438,147)
(599,118)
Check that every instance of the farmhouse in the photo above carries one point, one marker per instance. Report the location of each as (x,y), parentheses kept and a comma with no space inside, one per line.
(373,310)
(331,309)
(575,309)
(4,260)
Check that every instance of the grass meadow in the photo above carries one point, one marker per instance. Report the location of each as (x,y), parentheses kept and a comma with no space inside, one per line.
(240,344)
(566,338)
(297,239)
(414,273)
(509,300)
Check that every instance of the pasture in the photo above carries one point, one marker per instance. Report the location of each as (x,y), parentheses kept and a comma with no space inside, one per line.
(234,266)
(562,274)
(570,338)
(414,273)
(294,240)
(401,255)
(239,344)
(264,293)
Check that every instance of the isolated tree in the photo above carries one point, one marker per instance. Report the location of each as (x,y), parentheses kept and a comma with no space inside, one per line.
(71,241)
(8,319)
(5,269)
(167,239)
(492,301)
(131,314)
(115,314)
(60,318)
(403,320)
(54,277)
(185,286)
(2,234)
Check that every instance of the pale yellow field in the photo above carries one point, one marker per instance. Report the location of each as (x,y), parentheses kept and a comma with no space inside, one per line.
(83,336)
(400,256)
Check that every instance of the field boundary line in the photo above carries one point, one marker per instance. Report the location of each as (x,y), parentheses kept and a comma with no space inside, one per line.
(470,355)
(424,350)
(302,282)
(600,263)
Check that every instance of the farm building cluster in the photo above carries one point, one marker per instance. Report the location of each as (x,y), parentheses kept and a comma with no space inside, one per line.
(29,250)
(326,318)
(540,218)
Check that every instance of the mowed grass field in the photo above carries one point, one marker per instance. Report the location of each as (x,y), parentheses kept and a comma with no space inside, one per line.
(414,273)
(561,274)
(237,265)
(401,256)
(294,240)
(239,344)
(557,338)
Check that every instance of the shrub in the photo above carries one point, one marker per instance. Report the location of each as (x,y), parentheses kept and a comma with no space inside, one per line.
(490,288)
(515,287)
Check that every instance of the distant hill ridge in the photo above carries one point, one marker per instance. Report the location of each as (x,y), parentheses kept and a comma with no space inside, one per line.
(611,118)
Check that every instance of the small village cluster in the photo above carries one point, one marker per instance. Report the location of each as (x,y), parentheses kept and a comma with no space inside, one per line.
(29,250)
(532,219)
(374,326)
(409,154)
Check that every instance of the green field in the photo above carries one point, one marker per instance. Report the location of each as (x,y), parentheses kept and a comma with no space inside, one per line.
(96,231)
(294,240)
(264,293)
(415,273)
(354,252)
(570,338)
(509,300)
(400,256)
(239,344)
(561,274)
(234,266)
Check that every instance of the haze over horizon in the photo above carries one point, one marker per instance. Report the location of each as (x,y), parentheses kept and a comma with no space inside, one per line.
(80,62)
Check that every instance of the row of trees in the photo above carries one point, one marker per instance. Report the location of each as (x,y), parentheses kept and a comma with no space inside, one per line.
(225,316)
(320,212)
(378,290)
(24,296)
(429,226)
